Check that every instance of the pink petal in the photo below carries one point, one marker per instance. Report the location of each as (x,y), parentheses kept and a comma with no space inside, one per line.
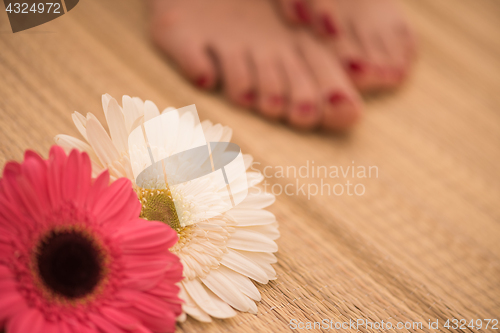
(11,219)
(130,210)
(103,324)
(11,169)
(56,162)
(5,273)
(35,171)
(174,269)
(29,199)
(8,285)
(28,154)
(18,209)
(144,276)
(115,198)
(144,236)
(64,327)
(148,304)
(76,179)
(70,184)
(85,177)
(165,323)
(28,321)
(11,303)
(98,187)
(55,327)
(121,320)
(168,291)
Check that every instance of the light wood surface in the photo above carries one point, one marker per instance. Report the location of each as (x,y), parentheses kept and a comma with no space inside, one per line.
(421,243)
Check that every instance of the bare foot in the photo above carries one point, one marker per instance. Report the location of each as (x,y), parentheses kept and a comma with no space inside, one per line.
(371,37)
(281,72)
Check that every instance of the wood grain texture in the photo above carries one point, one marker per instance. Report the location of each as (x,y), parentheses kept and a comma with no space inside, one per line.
(421,243)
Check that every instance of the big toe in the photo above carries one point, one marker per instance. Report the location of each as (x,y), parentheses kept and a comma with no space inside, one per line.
(186,49)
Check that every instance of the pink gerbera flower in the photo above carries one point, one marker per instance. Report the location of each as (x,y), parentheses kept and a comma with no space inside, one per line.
(75,257)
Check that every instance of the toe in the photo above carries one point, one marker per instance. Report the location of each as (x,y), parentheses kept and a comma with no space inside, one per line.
(302,108)
(238,81)
(397,61)
(341,110)
(270,86)
(295,11)
(188,53)
(408,41)
(352,54)
(339,101)
(326,19)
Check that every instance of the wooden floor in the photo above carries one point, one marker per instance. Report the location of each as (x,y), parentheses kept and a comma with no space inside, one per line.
(422,243)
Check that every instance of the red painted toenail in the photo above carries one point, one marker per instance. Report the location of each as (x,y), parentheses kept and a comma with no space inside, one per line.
(336,98)
(302,12)
(328,25)
(201,82)
(276,100)
(355,66)
(248,97)
(306,109)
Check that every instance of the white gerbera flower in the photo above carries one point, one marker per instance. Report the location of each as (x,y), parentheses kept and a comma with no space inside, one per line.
(220,254)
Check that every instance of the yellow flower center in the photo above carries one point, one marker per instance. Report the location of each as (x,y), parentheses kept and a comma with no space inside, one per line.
(158,205)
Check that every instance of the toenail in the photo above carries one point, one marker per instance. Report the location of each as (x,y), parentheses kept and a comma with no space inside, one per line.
(328,25)
(336,97)
(355,66)
(248,97)
(201,82)
(306,109)
(302,12)
(276,100)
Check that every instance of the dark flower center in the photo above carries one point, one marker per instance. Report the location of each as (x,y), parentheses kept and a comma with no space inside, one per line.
(70,263)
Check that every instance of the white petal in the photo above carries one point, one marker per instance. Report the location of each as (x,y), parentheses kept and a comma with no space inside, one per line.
(206,124)
(257,200)
(130,111)
(227,134)
(69,142)
(251,241)
(245,266)
(252,306)
(220,285)
(117,128)
(100,141)
(251,217)
(190,307)
(270,231)
(182,318)
(254,178)
(105,101)
(170,108)
(207,300)
(243,283)
(138,122)
(248,160)
(139,104)
(80,123)
(271,273)
(214,133)
(185,132)
(150,111)
(260,259)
